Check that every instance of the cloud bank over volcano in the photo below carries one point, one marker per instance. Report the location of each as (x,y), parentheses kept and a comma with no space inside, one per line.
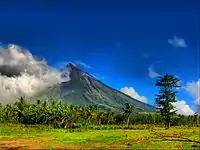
(22,74)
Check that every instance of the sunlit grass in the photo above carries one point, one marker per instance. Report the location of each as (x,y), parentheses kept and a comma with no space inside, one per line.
(106,138)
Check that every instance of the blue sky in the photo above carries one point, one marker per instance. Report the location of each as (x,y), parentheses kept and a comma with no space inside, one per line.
(120,40)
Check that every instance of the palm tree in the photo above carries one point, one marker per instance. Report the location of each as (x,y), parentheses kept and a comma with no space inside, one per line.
(110,117)
(128,110)
(100,116)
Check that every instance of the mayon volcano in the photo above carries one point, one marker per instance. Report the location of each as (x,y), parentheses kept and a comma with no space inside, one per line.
(83,89)
(22,74)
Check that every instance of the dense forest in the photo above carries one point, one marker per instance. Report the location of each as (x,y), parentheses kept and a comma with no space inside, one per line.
(61,115)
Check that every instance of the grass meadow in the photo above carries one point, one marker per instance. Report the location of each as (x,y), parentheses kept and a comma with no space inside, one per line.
(98,137)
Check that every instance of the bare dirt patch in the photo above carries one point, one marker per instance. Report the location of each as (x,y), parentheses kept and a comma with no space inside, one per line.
(33,144)
(21,144)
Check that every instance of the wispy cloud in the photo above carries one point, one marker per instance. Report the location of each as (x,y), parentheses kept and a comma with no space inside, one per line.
(63,64)
(182,108)
(177,42)
(152,72)
(82,64)
(193,88)
(131,92)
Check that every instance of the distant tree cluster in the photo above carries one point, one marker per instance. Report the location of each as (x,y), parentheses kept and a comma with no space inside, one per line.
(60,115)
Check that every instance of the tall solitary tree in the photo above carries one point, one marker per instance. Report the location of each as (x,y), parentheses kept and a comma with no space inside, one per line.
(167,95)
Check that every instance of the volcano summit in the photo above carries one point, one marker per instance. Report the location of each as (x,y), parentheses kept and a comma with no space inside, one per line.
(83,88)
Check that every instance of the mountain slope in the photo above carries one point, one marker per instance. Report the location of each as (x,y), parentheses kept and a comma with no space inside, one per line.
(85,89)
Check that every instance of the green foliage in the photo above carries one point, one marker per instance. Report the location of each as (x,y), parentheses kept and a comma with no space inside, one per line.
(59,115)
(166,96)
(56,113)
(128,110)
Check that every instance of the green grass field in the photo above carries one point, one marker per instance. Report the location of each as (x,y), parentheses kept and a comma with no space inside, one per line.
(43,137)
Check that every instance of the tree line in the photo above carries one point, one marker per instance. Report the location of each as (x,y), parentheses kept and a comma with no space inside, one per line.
(62,115)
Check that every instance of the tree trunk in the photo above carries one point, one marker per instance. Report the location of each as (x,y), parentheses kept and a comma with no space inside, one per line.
(99,121)
(168,125)
(128,118)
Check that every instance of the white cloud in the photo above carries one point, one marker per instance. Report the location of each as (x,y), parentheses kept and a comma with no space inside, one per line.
(21,74)
(131,92)
(193,88)
(82,64)
(152,72)
(182,108)
(177,42)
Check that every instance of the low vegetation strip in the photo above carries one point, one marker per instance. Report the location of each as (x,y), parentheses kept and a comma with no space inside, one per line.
(44,137)
(62,115)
